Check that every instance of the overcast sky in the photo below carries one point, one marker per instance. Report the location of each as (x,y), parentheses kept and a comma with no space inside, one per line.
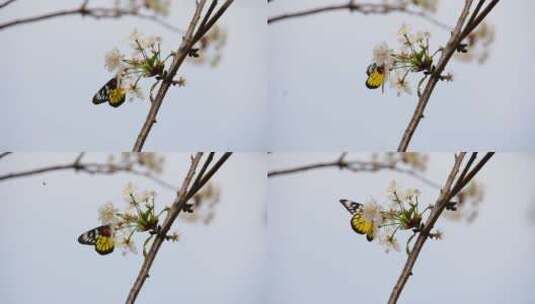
(315,257)
(53,69)
(43,215)
(318,100)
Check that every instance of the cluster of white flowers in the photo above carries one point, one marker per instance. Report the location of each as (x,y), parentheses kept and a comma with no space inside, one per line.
(159,7)
(402,214)
(412,57)
(204,203)
(145,62)
(138,216)
(107,214)
(467,203)
(396,195)
(417,161)
(210,46)
(426,5)
(149,162)
(478,44)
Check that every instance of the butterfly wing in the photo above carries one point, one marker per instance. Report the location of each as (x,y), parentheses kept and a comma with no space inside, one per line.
(102,95)
(104,245)
(110,93)
(362,226)
(89,237)
(375,79)
(350,205)
(101,237)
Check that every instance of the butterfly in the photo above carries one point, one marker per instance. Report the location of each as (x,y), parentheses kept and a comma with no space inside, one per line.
(359,224)
(101,237)
(376,76)
(111,92)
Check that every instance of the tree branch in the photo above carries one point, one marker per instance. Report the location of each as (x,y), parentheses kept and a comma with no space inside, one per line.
(183,195)
(355,166)
(4,154)
(97,13)
(89,168)
(451,47)
(190,38)
(447,192)
(8,2)
(363,8)
(204,178)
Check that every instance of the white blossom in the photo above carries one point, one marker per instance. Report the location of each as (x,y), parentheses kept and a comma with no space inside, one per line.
(400,84)
(107,214)
(389,242)
(129,192)
(128,245)
(382,56)
(371,211)
(113,60)
(392,190)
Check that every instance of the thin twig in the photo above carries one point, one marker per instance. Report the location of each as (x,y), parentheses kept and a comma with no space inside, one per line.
(364,8)
(355,166)
(188,41)
(8,2)
(204,168)
(183,195)
(97,13)
(89,168)
(206,177)
(451,47)
(461,183)
(447,192)
(4,154)
(473,157)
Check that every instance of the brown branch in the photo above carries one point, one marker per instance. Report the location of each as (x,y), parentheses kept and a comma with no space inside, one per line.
(451,47)
(183,195)
(4,154)
(447,192)
(355,166)
(363,8)
(8,2)
(188,41)
(89,168)
(97,13)
(204,178)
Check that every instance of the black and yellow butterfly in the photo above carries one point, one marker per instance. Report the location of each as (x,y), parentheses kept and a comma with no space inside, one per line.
(359,224)
(376,76)
(111,92)
(101,237)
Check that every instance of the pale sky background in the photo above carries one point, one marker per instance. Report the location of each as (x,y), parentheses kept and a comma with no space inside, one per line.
(43,215)
(318,100)
(53,69)
(315,257)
